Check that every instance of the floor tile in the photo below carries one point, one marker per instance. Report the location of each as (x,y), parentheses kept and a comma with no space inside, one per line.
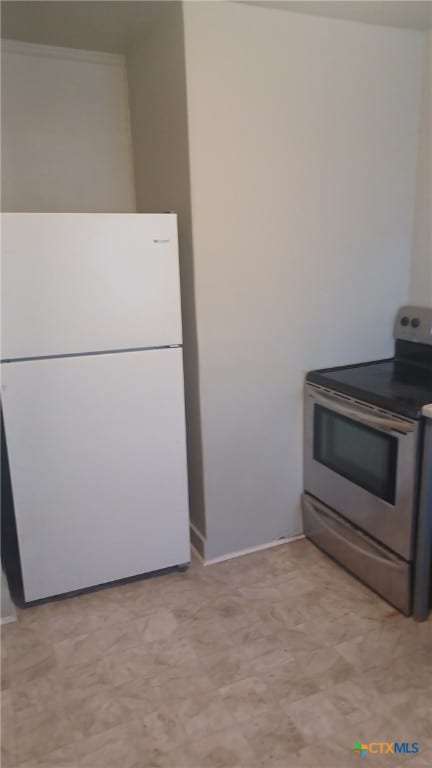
(41,731)
(273,736)
(288,682)
(153,663)
(224,749)
(276,659)
(97,708)
(125,746)
(226,666)
(8,731)
(204,713)
(26,655)
(322,755)
(326,667)
(247,699)
(315,716)
(378,649)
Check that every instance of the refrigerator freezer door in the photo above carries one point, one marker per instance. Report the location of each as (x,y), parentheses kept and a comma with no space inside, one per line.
(74,283)
(98,467)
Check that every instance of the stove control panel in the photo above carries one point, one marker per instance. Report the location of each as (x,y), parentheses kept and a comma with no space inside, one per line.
(414,324)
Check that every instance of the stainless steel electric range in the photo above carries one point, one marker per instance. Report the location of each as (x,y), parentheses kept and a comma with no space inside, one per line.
(363,459)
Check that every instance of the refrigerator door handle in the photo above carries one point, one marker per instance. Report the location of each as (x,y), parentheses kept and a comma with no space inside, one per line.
(384,423)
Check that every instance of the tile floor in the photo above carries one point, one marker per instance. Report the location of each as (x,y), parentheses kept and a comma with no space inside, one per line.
(276,659)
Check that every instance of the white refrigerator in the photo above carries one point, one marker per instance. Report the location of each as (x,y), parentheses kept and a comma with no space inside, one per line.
(92,397)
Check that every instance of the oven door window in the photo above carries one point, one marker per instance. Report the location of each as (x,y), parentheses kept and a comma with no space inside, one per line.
(362,454)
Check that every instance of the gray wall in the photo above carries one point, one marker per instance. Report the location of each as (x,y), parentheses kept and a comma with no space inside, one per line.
(421,272)
(302,141)
(158,109)
(287,145)
(66,142)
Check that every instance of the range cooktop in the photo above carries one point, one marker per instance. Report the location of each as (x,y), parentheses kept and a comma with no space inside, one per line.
(402,384)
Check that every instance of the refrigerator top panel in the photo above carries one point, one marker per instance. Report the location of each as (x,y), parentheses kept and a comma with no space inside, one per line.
(77,283)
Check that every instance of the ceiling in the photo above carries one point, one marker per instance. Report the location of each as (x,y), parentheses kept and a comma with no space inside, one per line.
(408,14)
(94,25)
(113,25)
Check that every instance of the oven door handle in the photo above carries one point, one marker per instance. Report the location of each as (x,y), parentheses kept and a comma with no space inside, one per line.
(369,419)
(320,513)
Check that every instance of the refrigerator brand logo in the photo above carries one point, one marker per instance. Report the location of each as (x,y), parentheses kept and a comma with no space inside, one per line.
(161,240)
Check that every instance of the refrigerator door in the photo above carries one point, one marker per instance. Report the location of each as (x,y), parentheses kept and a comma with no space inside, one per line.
(74,283)
(98,467)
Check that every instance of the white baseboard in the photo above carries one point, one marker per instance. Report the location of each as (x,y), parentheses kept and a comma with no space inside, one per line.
(7,619)
(241,552)
(195,551)
(196,531)
(197,540)
(7,612)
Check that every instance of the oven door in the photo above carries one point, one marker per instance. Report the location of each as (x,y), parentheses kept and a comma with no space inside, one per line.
(361,462)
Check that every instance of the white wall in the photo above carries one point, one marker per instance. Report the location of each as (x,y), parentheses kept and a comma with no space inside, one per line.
(302,141)
(65,131)
(421,271)
(157,90)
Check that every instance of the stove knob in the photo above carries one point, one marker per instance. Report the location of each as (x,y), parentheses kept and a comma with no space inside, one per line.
(405,321)
(415,322)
